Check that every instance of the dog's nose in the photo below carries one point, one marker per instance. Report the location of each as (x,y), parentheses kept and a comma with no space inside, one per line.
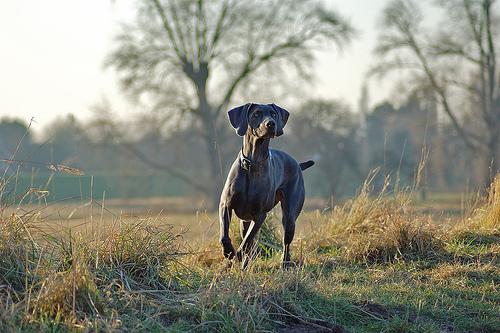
(270,124)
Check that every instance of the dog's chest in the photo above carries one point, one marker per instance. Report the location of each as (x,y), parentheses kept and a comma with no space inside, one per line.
(252,197)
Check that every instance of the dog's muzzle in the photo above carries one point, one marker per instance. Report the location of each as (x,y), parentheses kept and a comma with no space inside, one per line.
(271,128)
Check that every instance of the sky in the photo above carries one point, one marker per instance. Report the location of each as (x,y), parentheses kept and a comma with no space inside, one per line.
(52,54)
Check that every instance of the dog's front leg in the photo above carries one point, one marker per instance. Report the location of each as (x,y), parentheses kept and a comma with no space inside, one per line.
(245,249)
(225,219)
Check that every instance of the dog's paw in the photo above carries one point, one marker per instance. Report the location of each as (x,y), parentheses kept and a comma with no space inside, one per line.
(228,251)
(286,265)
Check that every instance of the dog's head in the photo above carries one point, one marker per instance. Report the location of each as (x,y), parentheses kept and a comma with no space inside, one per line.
(262,120)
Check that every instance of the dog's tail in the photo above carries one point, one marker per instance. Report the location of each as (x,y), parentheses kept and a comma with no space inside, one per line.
(306,165)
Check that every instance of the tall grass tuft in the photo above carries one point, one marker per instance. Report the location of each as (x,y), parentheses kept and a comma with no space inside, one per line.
(68,295)
(141,254)
(487,217)
(19,253)
(477,237)
(381,227)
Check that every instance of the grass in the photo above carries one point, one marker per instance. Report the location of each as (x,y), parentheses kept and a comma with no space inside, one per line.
(381,228)
(373,264)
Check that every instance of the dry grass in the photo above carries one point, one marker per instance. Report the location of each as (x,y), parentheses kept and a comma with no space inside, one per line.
(379,228)
(70,279)
(372,264)
(68,295)
(486,218)
(140,254)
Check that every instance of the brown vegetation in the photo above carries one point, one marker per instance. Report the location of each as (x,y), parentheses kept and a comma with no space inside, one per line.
(350,275)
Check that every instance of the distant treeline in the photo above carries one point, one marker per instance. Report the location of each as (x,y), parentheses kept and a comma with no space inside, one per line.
(140,160)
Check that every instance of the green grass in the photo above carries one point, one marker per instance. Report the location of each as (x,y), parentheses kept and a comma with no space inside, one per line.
(372,265)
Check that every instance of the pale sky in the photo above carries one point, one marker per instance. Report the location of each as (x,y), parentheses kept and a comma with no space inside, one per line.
(52,52)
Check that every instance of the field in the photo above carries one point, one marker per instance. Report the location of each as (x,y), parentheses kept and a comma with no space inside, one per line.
(377,263)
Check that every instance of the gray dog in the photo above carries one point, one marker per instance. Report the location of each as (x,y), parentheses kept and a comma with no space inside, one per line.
(260,178)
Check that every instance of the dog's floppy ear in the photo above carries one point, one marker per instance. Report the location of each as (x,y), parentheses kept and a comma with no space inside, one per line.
(283,118)
(238,117)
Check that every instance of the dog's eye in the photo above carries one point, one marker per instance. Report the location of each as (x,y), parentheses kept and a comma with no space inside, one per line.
(256,114)
(273,114)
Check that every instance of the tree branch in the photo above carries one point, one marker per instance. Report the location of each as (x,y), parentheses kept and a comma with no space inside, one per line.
(168,29)
(399,15)
(218,32)
(170,170)
(466,136)
(251,65)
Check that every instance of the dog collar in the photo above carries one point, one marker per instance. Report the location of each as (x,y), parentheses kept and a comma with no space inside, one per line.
(249,165)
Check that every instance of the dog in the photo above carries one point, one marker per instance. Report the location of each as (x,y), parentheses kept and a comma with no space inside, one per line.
(259,178)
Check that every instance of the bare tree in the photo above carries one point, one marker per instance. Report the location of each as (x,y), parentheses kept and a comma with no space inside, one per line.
(192,56)
(458,56)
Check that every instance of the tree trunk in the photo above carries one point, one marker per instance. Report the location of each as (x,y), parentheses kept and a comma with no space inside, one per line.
(212,143)
(209,118)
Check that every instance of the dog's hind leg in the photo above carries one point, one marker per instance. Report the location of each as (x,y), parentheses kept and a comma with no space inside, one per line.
(291,206)
(288,234)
